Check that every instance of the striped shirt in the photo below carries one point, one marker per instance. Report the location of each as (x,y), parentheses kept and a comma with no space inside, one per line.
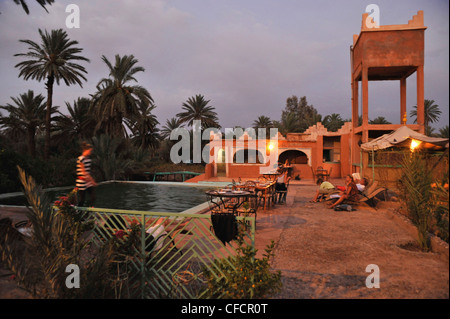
(81,182)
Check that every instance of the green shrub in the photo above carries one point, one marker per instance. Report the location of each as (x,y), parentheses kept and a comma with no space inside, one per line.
(416,183)
(244,276)
(441,197)
(60,237)
(9,182)
(56,171)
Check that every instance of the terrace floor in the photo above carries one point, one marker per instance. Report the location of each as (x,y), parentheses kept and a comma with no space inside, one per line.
(323,254)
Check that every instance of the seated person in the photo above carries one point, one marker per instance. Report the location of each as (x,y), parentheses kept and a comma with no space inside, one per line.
(282,179)
(350,194)
(324,189)
(361,184)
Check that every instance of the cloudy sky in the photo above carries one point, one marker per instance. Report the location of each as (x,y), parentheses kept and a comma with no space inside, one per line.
(246,56)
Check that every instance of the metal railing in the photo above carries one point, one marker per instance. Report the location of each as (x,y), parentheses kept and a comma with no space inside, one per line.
(172,265)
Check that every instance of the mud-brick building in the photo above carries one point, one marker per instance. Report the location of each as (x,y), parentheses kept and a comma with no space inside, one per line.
(382,53)
(385,53)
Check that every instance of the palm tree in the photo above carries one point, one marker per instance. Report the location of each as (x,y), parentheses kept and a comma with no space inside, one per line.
(379,120)
(432,113)
(52,60)
(429,131)
(24,5)
(165,143)
(25,117)
(262,122)
(333,122)
(78,124)
(443,132)
(143,126)
(116,99)
(171,124)
(288,123)
(197,108)
(107,158)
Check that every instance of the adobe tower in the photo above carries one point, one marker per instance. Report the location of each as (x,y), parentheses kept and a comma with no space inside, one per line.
(390,52)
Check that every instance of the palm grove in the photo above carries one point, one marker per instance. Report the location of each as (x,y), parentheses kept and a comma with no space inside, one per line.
(117,118)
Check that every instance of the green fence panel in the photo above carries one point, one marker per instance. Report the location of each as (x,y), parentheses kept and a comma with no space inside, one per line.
(174,267)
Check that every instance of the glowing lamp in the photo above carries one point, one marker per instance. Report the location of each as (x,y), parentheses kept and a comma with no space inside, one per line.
(414,144)
(269,148)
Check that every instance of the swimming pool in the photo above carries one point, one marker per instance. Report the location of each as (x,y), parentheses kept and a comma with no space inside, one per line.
(146,196)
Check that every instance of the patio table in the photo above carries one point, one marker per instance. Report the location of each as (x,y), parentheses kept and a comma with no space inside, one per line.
(228,199)
(272,175)
(265,188)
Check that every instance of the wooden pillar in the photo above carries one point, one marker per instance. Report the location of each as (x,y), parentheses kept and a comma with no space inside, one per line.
(365,104)
(402,99)
(354,149)
(346,157)
(420,99)
(318,160)
(355,108)
(365,164)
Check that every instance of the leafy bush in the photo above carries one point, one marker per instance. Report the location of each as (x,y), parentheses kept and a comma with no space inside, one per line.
(416,186)
(8,171)
(426,202)
(244,275)
(59,238)
(56,171)
(441,197)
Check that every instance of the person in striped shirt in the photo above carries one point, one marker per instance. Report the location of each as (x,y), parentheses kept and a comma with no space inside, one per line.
(85,182)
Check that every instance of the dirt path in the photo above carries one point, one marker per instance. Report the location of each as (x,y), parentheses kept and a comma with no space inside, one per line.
(324,254)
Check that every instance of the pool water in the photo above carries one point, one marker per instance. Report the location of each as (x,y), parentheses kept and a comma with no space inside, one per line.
(136,196)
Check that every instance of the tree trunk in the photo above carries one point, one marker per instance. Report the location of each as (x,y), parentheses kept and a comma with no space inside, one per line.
(118,130)
(49,84)
(142,140)
(31,143)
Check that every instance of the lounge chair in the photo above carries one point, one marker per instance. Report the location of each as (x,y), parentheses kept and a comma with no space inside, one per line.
(8,232)
(155,238)
(369,195)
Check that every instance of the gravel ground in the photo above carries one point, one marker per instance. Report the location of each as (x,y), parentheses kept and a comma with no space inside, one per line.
(323,253)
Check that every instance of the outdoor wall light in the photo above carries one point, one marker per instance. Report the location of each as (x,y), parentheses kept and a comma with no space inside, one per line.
(414,144)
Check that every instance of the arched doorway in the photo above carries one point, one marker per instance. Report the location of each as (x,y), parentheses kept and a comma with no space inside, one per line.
(293,156)
(298,161)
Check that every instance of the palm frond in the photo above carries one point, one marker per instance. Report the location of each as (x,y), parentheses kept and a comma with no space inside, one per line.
(116,100)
